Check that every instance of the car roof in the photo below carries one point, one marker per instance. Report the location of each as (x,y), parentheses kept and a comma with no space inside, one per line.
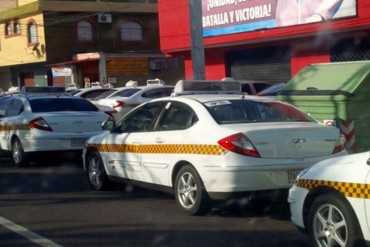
(202,98)
(215,97)
(143,89)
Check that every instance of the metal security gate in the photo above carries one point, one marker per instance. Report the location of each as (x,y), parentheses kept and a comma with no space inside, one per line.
(351,49)
(262,64)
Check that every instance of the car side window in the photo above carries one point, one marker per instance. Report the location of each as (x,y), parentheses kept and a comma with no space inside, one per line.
(141,119)
(177,116)
(260,86)
(11,107)
(4,107)
(247,88)
(15,108)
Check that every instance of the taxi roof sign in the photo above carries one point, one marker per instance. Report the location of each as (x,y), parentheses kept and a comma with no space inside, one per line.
(207,87)
(155,82)
(43,90)
(131,83)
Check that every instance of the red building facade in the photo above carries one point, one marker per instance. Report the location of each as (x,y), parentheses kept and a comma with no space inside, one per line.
(257,45)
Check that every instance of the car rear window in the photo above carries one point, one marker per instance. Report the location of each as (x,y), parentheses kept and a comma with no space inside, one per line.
(61,104)
(126,92)
(247,111)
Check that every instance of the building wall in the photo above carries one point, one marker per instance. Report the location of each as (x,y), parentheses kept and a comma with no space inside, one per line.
(58,43)
(309,43)
(24,2)
(15,49)
(7,4)
(62,42)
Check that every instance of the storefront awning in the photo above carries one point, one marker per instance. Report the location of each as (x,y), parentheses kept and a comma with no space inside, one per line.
(73,62)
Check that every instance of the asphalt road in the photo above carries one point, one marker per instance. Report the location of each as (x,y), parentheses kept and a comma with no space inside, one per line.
(53,205)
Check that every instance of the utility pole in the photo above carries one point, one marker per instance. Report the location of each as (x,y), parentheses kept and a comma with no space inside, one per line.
(197,45)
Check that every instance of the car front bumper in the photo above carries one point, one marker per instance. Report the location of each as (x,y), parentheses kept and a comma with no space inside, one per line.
(296,198)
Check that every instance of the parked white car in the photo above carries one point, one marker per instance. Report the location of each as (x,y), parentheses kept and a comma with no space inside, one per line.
(331,201)
(127,99)
(46,119)
(206,147)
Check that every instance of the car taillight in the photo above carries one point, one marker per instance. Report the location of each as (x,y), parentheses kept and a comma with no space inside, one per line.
(40,123)
(240,144)
(118,104)
(341,144)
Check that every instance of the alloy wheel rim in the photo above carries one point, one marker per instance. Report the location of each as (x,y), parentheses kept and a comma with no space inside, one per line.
(330,227)
(17,152)
(94,172)
(187,190)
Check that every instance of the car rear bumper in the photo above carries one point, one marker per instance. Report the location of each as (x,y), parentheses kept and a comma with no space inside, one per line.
(54,143)
(250,178)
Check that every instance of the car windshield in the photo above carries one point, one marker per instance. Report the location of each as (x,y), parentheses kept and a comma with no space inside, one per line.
(61,104)
(247,111)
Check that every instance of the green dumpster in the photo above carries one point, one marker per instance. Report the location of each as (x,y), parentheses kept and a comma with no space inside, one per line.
(335,94)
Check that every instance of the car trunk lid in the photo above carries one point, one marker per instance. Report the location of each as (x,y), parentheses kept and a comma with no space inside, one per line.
(292,140)
(75,121)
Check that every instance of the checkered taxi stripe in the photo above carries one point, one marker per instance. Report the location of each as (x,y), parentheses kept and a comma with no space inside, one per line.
(14,127)
(161,148)
(355,190)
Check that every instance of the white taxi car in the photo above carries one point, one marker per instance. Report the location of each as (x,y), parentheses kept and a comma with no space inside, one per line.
(205,147)
(127,99)
(46,119)
(331,201)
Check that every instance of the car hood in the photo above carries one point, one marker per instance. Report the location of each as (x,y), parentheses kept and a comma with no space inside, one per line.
(348,168)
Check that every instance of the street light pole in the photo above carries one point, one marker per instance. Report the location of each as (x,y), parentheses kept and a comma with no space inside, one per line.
(197,45)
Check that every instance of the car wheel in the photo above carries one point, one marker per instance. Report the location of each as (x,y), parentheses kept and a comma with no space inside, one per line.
(332,222)
(96,174)
(20,157)
(190,192)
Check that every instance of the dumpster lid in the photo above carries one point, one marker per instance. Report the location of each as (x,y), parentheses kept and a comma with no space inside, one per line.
(328,79)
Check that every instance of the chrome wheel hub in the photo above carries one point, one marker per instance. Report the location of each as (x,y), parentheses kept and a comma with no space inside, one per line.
(187,190)
(330,227)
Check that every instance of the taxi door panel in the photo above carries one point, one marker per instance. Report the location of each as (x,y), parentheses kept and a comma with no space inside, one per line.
(165,140)
(3,134)
(6,124)
(159,148)
(123,158)
(125,155)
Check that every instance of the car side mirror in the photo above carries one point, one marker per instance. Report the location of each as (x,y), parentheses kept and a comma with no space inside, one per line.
(368,161)
(109,125)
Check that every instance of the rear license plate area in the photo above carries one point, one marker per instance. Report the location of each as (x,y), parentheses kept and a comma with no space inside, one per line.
(292,175)
(77,143)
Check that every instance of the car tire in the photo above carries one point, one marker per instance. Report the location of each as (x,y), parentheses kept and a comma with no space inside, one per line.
(20,157)
(332,222)
(96,173)
(190,192)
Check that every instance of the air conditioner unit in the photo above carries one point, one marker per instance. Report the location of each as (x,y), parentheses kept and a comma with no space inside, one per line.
(105,18)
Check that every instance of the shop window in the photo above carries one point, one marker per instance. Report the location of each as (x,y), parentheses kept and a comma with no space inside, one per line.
(32,33)
(131,31)
(8,29)
(84,31)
